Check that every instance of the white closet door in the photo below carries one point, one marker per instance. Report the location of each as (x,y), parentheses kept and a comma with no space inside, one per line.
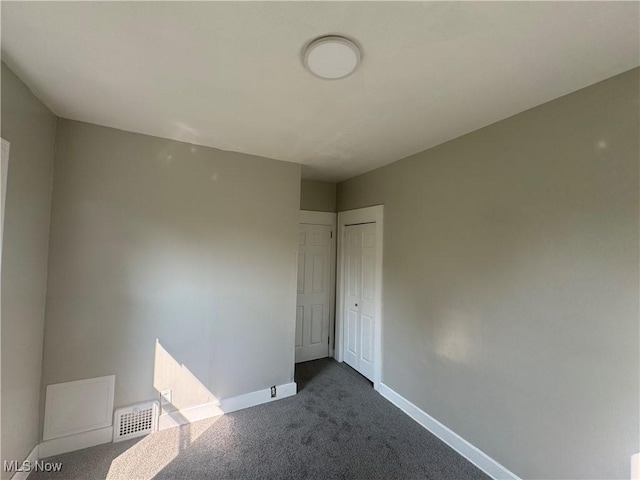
(352,258)
(359,314)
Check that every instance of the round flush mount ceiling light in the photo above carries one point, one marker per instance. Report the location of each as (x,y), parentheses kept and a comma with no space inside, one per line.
(331,57)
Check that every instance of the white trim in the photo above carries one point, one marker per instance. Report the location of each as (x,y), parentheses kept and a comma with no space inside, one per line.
(476,456)
(189,415)
(4,171)
(32,458)
(310,217)
(104,419)
(259,397)
(227,405)
(79,441)
(317,218)
(175,418)
(71,443)
(635,467)
(352,217)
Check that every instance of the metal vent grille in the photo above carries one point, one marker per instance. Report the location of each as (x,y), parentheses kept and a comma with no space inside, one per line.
(135,421)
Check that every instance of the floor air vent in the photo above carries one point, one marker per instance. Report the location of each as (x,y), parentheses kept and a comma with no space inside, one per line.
(135,421)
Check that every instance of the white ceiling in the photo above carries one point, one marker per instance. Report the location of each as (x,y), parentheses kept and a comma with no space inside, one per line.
(229,75)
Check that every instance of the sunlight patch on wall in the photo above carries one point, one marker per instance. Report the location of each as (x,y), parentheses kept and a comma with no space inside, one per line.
(186,390)
(453,341)
(149,456)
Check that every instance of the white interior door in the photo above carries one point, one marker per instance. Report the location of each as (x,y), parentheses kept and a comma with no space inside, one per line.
(359,297)
(313,311)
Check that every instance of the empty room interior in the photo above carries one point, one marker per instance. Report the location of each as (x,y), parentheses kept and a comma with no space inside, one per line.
(320,240)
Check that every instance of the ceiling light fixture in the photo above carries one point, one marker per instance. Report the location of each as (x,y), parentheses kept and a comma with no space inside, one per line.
(331,57)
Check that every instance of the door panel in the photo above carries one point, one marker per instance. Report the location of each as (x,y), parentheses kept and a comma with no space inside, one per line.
(360,297)
(317,320)
(318,276)
(351,350)
(368,274)
(367,336)
(366,353)
(314,292)
(300,272)
(299,325)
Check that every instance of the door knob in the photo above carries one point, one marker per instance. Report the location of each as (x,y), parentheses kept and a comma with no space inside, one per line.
(356,304)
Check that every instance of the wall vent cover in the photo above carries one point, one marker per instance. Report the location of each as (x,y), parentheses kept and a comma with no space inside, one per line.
(135,420)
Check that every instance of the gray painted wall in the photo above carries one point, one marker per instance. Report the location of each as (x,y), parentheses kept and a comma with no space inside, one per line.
(31,129)
(511,283)
(194,246)
(317,196)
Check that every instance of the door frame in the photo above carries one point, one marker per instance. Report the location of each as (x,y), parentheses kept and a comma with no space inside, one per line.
(353,217)
(311,217)
(3,179)
(4,171)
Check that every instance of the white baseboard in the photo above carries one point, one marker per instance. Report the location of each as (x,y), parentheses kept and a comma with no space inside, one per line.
(228,405)
(79,441)
(189,415)
(74,442)
(476,456)
(252,399)
(32,458)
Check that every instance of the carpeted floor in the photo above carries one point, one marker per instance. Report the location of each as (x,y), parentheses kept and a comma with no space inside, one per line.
(337,427)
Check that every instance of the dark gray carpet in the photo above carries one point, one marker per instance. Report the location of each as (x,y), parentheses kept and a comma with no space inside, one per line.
(337,427)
